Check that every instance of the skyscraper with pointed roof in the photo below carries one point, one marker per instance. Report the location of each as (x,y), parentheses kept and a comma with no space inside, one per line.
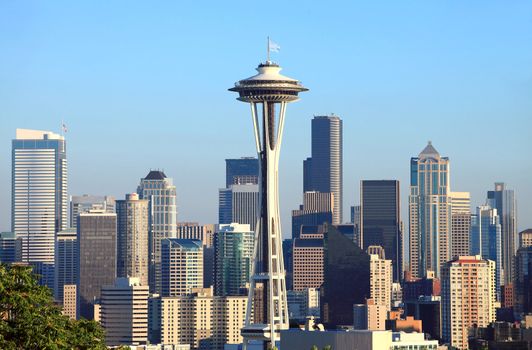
(429,212)
(161,192)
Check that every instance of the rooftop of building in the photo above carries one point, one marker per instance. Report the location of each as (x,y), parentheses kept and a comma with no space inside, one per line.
(189,244)
(155,175)
(29,134)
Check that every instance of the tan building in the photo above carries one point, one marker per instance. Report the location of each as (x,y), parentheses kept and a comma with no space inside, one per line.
(307,260)
(381,277)
(132,238)
(70,296)
(525,238)
(460,223)
(202,320)
(369,316)
(124,312)
(181,266)
(468,297)
(193,230)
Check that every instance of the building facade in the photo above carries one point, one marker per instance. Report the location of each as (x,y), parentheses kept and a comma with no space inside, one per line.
(124,312)
(132,237)
(323,171)
(161,193)
(317,209)
(239,204)
(233,246)
(39,200)
(97,252)
(202,320)
(84,203)
(486,241)
(380,220)
(307,263)
(66,260)
(181,266)
(8,247)
(243,170)
(381,279)
(460,223)
(503,200)
(429,212)
(468,297)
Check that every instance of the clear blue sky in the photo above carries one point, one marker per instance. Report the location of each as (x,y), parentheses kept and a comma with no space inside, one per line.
(144,86)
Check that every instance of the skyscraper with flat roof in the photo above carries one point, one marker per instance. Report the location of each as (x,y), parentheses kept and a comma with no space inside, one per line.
(39,198)
(317,209)
(132,237)
(233,246)
(66,260)
(84,203)
(460,223)
(181,266)
(96,240)
(430,212)
(239,204)
(380,220)
(323,170)
(503,200)
(243,170)
(160,191)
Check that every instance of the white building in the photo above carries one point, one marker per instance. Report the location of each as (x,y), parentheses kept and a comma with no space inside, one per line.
(181,266)
(124,312)
(39,199)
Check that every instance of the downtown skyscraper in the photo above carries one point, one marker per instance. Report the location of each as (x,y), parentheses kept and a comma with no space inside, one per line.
(503,200)
(323,171)
(39,199)
(161,193)
(429,212)
(380,220)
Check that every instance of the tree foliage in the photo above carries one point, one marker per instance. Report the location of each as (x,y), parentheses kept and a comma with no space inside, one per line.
(29,319)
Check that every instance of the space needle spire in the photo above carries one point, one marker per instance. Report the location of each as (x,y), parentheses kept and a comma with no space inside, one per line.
(268,93)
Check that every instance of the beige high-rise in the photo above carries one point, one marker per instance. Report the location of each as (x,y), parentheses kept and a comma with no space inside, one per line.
(468,297)
(132,238)
(460,223)
(381,278)
(124,312)
(202,320)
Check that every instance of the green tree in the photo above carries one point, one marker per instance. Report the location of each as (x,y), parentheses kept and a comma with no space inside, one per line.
(29,319)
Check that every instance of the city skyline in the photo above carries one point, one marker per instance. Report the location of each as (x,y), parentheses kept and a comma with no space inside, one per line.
(44,86)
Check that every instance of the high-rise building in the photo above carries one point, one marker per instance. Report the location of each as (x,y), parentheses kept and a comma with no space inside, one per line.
(70,301)
(39,198)
(124,312)
(323,171)
(317,209)
(243,170)
(193,230)
(525,238)
(468,297)
(96,240)
(132,237)
(205,234)
(8,247)
(380,220)
(307,260)
(202,320)
(181,266)
(503,200)
(430,212)
(486,240)
(239,204)
(84,203)
(523,282)
(426,308)
(233,246)
(268,92)
(303,303)
(355,220)
(380,278)
(346,279)
(161,193)
(460,223)
(66,260)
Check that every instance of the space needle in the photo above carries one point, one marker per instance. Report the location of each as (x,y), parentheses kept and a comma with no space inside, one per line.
(268,93)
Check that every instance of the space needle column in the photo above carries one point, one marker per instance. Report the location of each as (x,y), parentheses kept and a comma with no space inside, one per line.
(268,92)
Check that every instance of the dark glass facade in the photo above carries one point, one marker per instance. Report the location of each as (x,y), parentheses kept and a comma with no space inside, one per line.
(96,239)
(241,168)
(381,220)
(346,279)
